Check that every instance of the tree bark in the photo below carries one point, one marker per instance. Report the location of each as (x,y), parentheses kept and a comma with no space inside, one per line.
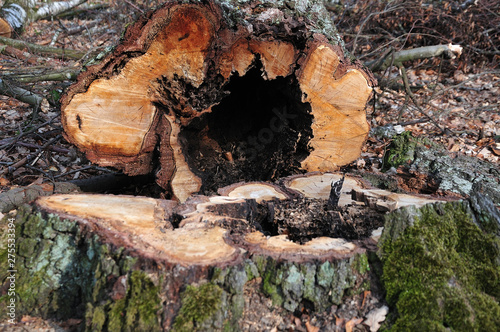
(127,269)
(202,93)
(441,266)
(137,263)
(16,14)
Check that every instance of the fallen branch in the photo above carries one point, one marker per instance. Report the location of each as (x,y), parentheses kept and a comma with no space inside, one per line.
(43,50)
(396,58)
(23,95)
(56,8)
(16,14)
(67,75)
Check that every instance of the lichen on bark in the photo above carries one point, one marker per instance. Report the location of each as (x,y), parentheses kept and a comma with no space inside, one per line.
(61,274)
(459,174)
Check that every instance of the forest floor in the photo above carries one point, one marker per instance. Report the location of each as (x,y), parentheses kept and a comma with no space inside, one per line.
(459,104)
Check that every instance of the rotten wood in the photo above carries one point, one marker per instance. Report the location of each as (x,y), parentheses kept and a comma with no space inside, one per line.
(201,93)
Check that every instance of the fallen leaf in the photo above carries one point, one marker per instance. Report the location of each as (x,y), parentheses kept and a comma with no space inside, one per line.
(375,317)
(352,323)
(311,328)
(36,182)
(366,295)
(3,181)
(339,321)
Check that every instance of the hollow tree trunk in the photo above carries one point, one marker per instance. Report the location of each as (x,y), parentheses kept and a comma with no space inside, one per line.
(205,94)
(124,263)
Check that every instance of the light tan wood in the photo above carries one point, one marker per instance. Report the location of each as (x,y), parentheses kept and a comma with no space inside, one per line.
(338,103)
(317,185)
(5,29)
(278,58)
(384,200)
(135,211)
(113,117)
(139,222)
(279,245)
(184,183)
(260,191)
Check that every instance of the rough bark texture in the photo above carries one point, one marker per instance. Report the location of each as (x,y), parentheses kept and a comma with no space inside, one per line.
(202,92)
(211,263)
(435,169)
(122,266)
(118,277)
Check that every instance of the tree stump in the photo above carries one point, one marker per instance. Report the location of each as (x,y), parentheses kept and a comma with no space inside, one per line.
(206,94)
(211,263)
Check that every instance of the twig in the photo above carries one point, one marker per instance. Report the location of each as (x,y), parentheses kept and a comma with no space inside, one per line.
(50,148)
(23,161)
(134,6)
(21,94)
(460,85)
(14,166)
(366,20)
(67,75)
(43,50)
(409,123)
(32,130)
(415,100)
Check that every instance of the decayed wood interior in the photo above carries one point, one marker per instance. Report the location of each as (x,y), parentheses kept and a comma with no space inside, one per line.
(183,80)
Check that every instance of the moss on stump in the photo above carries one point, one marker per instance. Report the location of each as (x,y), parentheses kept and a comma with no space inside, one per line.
(66,270)
(441,269)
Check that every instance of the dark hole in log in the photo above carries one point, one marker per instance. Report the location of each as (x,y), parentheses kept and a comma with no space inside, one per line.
(258,132)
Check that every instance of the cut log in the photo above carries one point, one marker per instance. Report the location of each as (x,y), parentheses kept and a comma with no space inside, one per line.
(211,263)
(117,263)
(209,94)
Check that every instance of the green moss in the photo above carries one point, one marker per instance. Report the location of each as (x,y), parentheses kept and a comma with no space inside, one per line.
(260,263)
(401,151)
(137,311)
(440,271)
(198,304)
(98,319)
(143,304)
(270,281)
(251,270)
(361,263)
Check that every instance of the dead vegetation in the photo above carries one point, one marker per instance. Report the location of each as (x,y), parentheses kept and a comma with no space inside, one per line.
(455,101)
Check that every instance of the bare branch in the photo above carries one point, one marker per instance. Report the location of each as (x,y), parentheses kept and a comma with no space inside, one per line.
(43,50)
(451,51)
(21,94)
